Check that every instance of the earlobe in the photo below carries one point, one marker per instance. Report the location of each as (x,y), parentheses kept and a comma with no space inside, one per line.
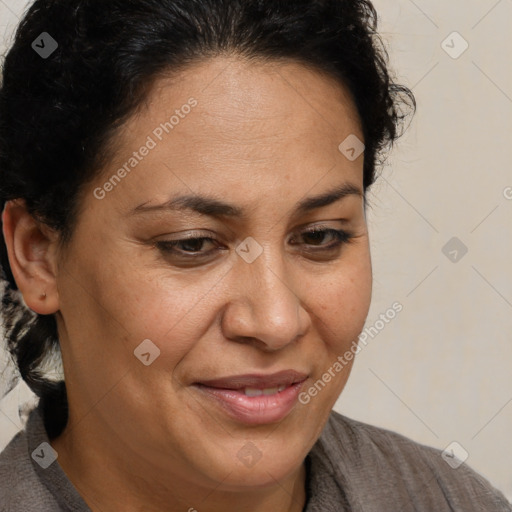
(31,250)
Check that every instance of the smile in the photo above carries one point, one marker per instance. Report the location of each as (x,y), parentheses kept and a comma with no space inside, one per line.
(253,399)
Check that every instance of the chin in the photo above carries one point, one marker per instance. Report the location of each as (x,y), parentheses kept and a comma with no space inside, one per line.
(251,467)
(259,476)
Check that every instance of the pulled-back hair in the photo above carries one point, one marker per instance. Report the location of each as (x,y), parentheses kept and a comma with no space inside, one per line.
(59,115)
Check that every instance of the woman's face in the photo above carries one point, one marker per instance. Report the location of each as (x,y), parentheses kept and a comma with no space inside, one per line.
(145,324)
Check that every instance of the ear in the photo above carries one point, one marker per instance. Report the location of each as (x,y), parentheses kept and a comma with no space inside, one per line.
(31,247)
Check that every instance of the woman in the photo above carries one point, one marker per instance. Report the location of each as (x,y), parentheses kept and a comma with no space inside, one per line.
(183,186)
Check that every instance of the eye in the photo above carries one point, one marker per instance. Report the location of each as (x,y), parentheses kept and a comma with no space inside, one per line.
(187,247)
(315,236)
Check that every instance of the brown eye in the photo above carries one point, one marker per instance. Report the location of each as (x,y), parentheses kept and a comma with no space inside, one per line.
(316,236)
(188,247)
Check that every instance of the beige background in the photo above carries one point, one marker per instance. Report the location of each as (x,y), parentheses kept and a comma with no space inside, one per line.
(441,370)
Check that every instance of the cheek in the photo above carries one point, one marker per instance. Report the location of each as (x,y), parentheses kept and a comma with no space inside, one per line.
(342,302)
(111,311)
(132,303)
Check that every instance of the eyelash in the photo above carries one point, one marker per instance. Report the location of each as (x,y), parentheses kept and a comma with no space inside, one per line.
(341,238)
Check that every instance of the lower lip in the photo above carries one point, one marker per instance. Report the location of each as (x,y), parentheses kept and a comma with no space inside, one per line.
(254,410)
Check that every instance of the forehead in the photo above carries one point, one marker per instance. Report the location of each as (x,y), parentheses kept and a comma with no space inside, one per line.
(240,100)
(254,126)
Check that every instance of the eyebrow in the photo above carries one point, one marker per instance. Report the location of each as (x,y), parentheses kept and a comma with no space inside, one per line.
(212,207)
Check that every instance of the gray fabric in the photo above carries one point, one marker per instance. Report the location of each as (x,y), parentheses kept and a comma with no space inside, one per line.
(353,467)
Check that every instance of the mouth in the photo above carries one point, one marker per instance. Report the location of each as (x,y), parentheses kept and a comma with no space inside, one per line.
(257,382)
(254,399)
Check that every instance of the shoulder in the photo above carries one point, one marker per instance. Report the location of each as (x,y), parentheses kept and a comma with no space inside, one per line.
(392,464)
(21,490)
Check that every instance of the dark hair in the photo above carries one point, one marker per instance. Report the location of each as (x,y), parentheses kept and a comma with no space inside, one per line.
(59,115)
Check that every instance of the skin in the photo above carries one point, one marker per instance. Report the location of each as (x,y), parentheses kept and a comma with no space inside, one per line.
(263,136)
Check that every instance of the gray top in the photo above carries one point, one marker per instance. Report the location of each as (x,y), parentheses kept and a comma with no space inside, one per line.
(352,467)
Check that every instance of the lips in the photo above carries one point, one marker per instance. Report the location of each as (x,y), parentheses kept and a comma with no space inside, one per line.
(260,382)
(254,399)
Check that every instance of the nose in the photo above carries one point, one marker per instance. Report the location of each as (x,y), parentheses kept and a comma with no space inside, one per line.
(265,309)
